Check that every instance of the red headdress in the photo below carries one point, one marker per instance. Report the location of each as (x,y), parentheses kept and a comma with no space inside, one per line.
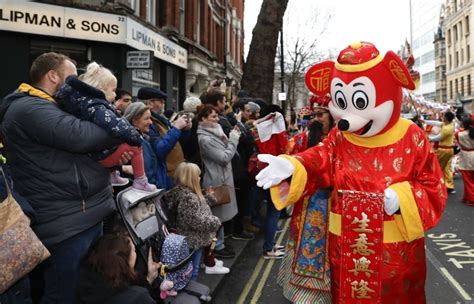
(319,101)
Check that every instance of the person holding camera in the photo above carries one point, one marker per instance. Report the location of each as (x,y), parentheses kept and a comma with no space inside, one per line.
(165,137)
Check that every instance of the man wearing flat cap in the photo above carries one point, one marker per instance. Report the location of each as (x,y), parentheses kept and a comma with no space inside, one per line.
(164,137)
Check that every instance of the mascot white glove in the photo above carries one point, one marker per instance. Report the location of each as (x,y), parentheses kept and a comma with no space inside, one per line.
(278,169)
(391,201)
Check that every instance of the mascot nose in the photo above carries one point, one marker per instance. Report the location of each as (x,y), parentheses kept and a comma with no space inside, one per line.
(343,125)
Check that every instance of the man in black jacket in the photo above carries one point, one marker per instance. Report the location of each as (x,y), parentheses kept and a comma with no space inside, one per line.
(47,150)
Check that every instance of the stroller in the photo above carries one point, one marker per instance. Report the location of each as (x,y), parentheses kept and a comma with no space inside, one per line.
(144,218)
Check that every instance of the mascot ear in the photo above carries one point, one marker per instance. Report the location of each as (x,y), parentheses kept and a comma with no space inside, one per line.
(317,78)
(398,70)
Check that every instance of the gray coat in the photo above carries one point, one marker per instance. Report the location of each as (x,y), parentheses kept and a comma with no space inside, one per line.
(216,154)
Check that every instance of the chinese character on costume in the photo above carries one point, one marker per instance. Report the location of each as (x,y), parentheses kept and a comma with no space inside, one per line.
(387,186)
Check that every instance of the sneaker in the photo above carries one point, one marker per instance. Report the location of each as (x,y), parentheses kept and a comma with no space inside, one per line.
(273,254)
(219,262)
(451,191)
(216,270)
(279,247)
(243,236)
(224,253)
(141,183)
(116,180)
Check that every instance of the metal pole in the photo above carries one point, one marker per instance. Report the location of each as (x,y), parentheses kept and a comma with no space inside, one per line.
(282,68)
(411,26)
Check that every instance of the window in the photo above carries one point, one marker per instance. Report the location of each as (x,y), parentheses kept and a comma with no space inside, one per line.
(182,16)
(451,89)
(468,80)
(455,32)
(197,33)
(151,11)
(460,29)
(456,60)
(462,86)
(427,57)
(456,87)
(466,23)
(135,5)
(428,77)
(468,54)
(449,37)
(175,89)
(450,62)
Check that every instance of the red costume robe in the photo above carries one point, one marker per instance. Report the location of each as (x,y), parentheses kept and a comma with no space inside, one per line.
(400,159)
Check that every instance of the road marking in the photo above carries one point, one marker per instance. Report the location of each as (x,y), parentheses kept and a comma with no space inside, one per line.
(251,281)
(258,291)
(438,266)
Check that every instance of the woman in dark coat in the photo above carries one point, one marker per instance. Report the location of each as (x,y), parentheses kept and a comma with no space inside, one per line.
(108,275)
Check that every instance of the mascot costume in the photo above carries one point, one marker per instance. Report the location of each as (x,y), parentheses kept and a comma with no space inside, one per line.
(388,188)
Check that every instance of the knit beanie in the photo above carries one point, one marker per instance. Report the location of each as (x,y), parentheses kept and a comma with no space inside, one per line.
(191,103)
(253,107)
(133,110)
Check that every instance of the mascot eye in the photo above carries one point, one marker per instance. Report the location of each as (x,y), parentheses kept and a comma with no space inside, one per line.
(340,100)
(360,100)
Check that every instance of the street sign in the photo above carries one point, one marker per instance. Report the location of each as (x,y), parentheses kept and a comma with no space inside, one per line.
(281,96)
(139,60)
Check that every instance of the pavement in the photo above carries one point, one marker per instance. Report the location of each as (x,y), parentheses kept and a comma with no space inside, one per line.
(216,281)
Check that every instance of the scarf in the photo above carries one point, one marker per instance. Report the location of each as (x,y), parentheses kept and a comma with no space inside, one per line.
(215,129)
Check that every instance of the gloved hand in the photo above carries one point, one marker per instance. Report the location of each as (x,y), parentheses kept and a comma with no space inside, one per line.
(391,201)
(277,170)
(234,134)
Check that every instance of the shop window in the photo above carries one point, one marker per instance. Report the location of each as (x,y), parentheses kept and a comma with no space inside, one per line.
(145,78)
(78,52)
(175,93)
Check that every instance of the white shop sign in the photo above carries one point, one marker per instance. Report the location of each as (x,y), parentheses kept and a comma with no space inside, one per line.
(142,38)
(51,20)
(139,60)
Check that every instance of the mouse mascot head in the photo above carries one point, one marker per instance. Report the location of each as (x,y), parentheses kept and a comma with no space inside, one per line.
(365,88)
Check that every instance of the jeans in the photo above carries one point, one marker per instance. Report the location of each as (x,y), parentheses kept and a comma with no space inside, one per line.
(220,238)
(196,264)
(60,272)
(271,226)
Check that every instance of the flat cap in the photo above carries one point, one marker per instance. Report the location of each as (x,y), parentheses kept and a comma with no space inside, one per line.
(151,93)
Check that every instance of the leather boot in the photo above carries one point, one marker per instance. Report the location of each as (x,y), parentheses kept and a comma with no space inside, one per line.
(248,225)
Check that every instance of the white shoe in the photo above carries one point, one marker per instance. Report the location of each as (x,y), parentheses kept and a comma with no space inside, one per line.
(218,262)
(216,270)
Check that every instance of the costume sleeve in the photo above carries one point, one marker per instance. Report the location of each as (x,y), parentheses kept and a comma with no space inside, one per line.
(316,163)
(423,198)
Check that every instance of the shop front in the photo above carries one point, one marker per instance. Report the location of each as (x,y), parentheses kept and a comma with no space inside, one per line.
(28,29)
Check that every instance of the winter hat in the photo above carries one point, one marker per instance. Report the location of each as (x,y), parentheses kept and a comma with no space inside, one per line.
(151,93)
(253,107)
(136,108)
(191,103)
